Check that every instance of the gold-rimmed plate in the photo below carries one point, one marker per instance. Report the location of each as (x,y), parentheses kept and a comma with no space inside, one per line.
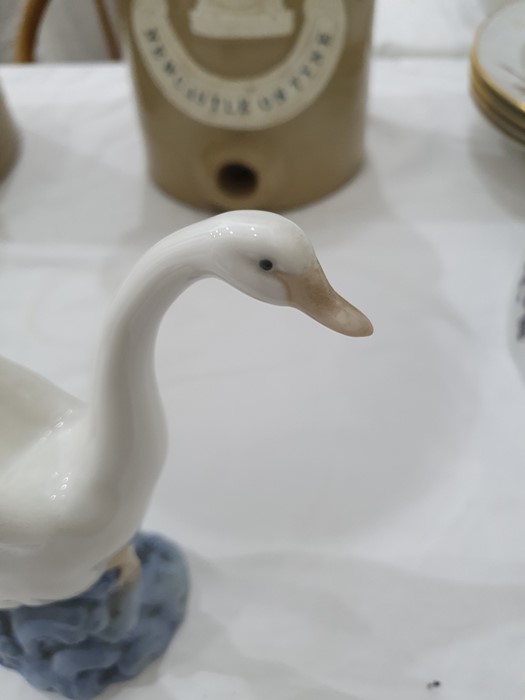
(496,104)
(496,99)
(498,54)
(510,129)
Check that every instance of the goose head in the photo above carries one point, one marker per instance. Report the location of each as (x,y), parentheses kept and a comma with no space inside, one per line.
(270,258)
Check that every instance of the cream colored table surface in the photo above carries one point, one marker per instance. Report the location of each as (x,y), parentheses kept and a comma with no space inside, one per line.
(353,510)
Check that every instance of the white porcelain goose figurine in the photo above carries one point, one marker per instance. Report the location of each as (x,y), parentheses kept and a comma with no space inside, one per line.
(75,479)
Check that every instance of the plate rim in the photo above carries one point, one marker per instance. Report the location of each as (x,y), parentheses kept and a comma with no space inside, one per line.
(520,106)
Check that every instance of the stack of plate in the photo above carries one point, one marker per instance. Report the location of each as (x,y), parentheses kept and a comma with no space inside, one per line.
(497,75)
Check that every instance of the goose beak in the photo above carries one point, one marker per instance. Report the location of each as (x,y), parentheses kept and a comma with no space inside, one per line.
(311,293)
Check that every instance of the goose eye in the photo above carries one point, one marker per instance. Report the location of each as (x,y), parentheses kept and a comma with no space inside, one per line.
(265,264)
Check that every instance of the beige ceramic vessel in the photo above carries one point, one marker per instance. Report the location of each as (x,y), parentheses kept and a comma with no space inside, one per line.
(250,103)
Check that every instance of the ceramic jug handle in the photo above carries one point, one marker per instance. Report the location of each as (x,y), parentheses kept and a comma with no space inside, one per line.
(32,16)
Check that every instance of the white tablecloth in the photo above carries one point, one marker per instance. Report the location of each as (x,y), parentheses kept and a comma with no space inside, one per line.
(353,510)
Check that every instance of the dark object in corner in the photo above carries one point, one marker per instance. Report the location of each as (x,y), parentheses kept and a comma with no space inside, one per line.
(433,684)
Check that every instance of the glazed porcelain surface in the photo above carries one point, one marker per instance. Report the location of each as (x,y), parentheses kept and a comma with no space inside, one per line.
(107,634)
(76,479)
(499,53)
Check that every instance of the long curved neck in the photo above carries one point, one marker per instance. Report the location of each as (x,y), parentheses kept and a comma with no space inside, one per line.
(126,420)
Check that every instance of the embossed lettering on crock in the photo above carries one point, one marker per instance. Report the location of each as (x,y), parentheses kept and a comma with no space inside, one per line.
(259,102)
(241,19)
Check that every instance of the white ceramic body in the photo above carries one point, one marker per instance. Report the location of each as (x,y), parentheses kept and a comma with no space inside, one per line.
(76,480)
